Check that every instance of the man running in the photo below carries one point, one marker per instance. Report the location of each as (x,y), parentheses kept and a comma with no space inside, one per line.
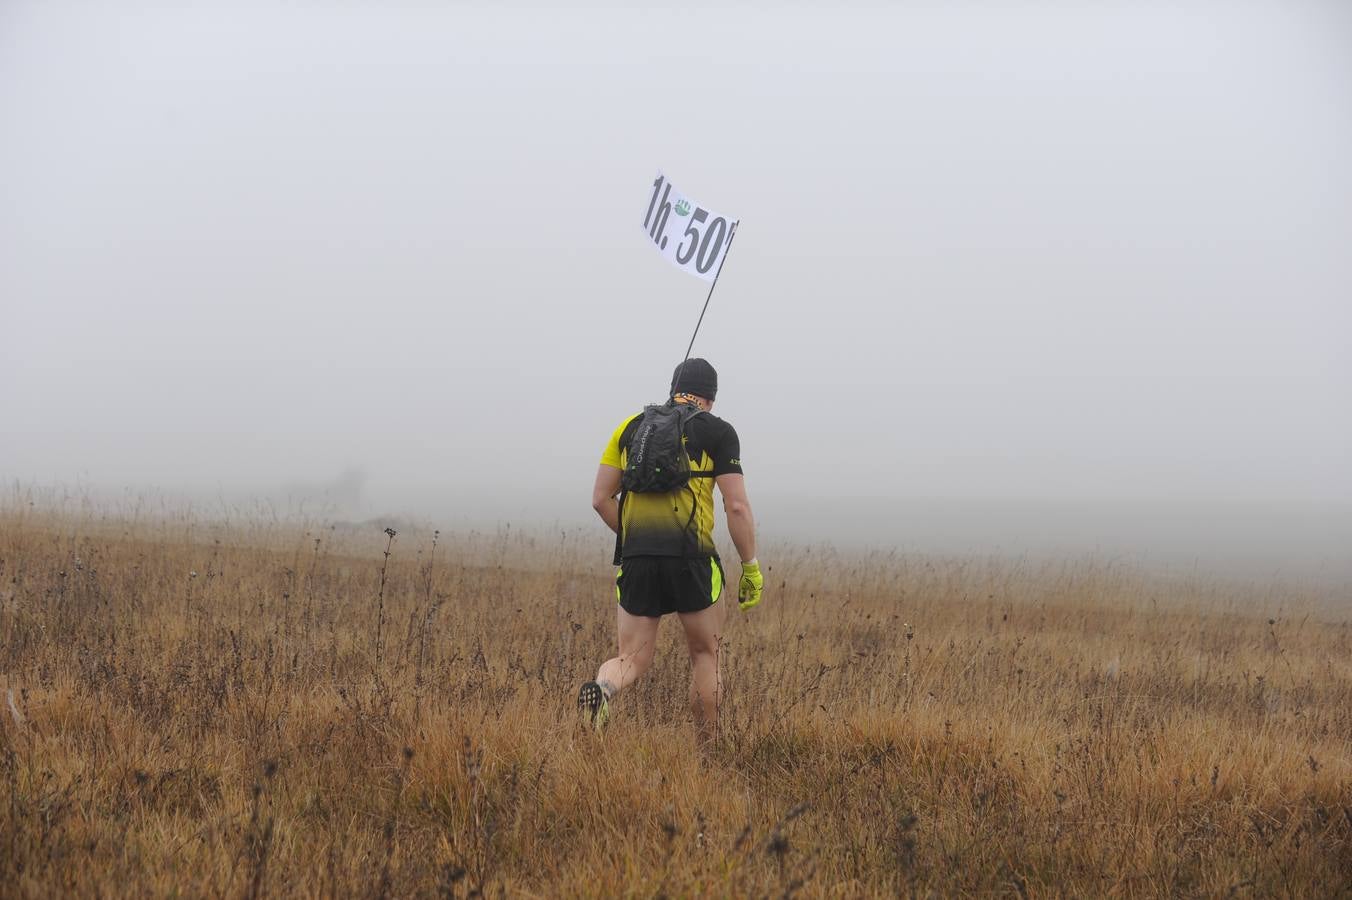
(665,550)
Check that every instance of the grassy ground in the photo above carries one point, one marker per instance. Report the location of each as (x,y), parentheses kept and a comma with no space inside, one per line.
(256,709)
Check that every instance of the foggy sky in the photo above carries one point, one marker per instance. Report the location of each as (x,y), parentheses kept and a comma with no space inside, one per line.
(1071,273)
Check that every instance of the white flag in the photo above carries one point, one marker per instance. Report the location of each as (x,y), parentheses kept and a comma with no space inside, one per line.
(690,236)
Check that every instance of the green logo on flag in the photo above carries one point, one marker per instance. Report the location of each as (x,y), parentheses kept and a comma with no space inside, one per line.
(682,207)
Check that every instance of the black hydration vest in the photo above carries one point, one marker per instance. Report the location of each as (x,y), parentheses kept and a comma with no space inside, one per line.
(656,461)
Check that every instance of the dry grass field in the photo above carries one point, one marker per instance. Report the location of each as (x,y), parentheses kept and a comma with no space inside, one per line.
(255,708)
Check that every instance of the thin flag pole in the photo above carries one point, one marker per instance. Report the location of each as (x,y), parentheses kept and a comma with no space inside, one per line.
(726,250)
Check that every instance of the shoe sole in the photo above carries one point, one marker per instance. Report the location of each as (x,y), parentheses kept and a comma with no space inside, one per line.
(590,701)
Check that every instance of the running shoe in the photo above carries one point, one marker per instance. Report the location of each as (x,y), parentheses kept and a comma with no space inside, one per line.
(592,705)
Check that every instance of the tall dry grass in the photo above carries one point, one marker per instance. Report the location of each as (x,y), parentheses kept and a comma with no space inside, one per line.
(258,709)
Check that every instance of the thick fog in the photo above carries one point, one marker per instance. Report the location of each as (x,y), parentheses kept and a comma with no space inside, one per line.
(1043,277)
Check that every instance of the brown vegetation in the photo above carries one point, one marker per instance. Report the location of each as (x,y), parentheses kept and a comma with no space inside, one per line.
(256,709)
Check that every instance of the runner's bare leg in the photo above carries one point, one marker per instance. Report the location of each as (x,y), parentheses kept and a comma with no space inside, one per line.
(702,632)
(638,642)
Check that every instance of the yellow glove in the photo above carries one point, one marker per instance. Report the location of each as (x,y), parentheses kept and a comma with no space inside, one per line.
(749,589)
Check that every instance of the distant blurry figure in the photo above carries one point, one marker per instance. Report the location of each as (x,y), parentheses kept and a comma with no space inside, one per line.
(341,495)
(654,488)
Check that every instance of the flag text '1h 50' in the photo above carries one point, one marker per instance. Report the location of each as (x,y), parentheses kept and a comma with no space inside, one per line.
(690,236)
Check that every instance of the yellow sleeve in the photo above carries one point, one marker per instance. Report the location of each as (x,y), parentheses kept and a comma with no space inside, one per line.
(611,455)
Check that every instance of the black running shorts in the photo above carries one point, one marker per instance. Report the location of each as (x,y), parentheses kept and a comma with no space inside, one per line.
(653,586)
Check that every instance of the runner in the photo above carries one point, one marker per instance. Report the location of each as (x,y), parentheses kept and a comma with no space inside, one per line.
(666,553)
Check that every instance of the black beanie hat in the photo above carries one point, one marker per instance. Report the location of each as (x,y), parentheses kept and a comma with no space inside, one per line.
(696,377)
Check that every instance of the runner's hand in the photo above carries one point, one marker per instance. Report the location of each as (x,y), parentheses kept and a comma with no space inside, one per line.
(749,589)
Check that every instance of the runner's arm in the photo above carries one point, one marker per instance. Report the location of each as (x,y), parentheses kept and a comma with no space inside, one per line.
(741,524)
(603,496)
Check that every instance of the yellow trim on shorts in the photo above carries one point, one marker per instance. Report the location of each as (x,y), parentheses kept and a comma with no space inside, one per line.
(716,578)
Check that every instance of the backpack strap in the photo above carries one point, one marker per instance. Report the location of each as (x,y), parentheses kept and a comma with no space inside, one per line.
(687,538)
(619,531)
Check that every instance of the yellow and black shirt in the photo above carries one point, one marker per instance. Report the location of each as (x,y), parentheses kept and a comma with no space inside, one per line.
(679,523)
